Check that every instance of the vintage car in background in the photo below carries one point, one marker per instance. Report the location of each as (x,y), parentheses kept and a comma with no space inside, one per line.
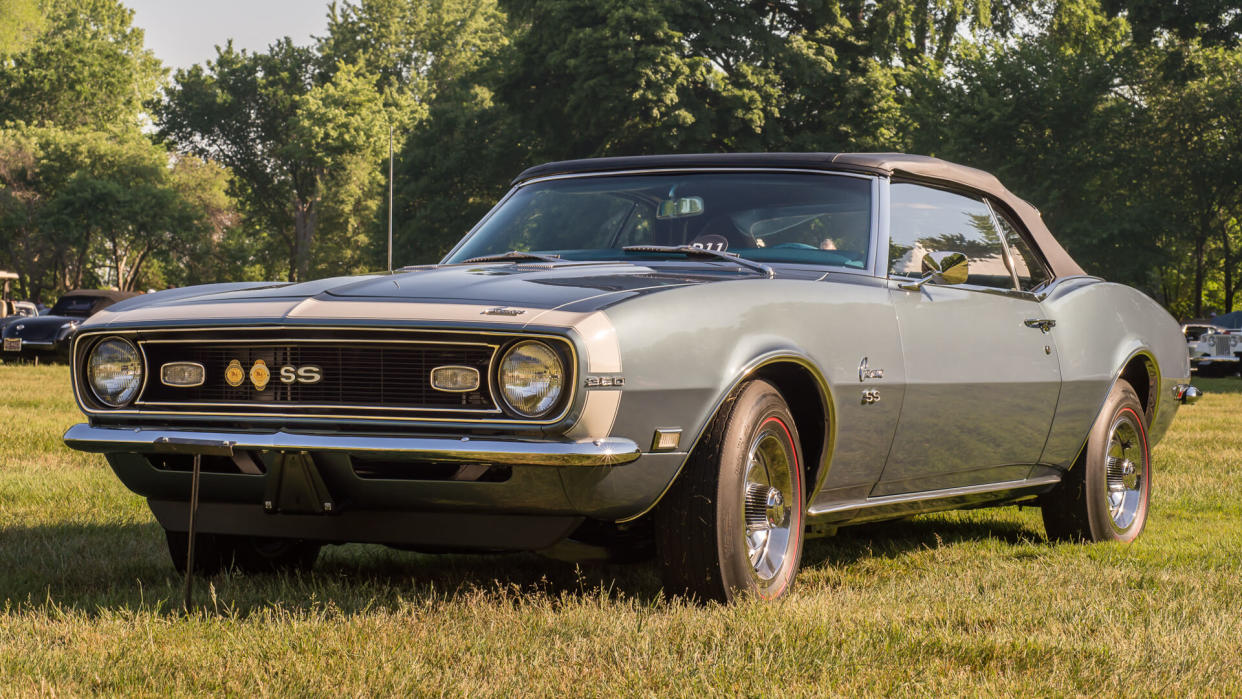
(17,310)
(1214,351)
(49,336)
(705,356)
(8,307)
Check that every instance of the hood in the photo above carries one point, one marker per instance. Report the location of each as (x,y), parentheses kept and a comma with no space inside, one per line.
(528,285)
(432,293)
(39,328)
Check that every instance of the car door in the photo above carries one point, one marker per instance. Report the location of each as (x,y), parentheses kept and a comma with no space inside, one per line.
(982,376)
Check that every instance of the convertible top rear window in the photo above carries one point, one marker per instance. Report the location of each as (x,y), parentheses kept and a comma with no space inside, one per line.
(772,217)
(74,306)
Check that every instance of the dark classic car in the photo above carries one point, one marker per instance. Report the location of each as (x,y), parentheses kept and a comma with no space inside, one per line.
(707,357)
(49,336)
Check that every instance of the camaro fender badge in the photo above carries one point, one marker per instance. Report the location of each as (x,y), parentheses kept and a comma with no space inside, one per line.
(866,372)
(234,375)
(259,374)
(604,381)
(502,311)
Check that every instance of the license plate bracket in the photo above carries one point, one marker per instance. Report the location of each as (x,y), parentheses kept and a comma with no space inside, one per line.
(294,486)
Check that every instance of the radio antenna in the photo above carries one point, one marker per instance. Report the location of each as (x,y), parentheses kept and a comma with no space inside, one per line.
(390,198)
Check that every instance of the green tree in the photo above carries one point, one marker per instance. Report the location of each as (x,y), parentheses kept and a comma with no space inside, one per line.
(88,68)
(413,48)
(75,203)
(288,128)
(1214,22)
(593,77)
(21,23)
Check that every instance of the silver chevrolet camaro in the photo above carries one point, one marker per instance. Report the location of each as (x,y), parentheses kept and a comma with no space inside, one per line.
(705,358)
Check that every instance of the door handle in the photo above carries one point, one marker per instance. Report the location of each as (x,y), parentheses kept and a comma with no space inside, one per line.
(1044,324)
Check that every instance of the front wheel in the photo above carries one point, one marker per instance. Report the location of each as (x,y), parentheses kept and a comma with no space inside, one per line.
(732,525)
(1105,496)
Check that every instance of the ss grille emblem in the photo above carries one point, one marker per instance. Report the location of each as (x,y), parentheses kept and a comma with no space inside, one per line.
(307,374)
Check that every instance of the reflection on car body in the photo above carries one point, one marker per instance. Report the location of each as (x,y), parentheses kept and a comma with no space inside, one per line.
(697,357)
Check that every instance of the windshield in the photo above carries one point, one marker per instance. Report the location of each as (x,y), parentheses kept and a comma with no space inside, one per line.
(768,217)
(79,306)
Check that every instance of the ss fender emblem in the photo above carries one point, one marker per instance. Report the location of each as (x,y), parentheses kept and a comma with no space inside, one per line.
(301,374)
(871,395)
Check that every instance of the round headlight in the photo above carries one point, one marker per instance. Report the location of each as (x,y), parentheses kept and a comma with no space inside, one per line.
(114,371)
(531,378)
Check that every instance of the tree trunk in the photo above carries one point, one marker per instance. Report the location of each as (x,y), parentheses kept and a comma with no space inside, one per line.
(119,266)
(1224,241)
(1199,273)
(135,269)
(304,218)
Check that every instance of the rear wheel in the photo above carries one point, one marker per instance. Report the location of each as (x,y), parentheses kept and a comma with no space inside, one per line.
(214,553)
(1105,496)
(733,522)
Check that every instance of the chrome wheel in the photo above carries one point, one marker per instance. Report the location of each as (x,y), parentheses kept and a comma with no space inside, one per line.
(1126,470)
(768,499)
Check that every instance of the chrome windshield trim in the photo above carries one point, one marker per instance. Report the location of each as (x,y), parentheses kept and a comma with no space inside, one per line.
(697,169)
(610,451)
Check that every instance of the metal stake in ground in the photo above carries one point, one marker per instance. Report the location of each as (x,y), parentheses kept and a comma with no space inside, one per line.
(198,448)
(189,549)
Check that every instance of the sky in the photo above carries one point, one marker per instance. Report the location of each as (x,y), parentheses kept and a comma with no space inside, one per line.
(185,32)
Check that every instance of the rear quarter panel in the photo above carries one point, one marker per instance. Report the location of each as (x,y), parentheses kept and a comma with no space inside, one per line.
(1100,327)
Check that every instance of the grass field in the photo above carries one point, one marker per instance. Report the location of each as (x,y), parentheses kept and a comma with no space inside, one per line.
(964,603)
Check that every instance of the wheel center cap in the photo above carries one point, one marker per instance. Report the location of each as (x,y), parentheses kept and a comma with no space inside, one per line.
(776,511)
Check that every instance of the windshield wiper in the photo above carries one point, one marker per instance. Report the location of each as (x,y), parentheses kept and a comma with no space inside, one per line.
(691,251)
(514,255)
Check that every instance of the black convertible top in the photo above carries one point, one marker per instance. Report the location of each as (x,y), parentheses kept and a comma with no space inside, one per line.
(109,294)
(919,167)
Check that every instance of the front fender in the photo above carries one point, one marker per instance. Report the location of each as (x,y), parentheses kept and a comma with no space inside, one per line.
(685,350)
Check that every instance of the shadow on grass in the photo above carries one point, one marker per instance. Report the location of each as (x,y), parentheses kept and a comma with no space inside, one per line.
(92,568)
(897,538)
(99,568)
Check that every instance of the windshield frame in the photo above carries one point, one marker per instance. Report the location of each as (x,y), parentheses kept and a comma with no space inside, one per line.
(876,225)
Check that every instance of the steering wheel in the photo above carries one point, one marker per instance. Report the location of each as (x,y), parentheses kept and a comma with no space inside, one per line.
(798,246)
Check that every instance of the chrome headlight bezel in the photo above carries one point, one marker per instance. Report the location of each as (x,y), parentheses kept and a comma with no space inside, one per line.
(128,395)
(552,399)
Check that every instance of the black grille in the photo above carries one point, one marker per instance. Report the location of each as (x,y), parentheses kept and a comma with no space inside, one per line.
(383,375)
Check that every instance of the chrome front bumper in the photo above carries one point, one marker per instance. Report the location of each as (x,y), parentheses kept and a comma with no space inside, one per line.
(612,451)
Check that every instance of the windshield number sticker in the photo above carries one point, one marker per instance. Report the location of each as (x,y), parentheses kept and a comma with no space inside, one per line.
(719,243)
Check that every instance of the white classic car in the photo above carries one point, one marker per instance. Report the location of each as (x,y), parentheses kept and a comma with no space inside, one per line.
(1214,351)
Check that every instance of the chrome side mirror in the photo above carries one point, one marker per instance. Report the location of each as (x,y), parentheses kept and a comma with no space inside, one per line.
(945,268)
